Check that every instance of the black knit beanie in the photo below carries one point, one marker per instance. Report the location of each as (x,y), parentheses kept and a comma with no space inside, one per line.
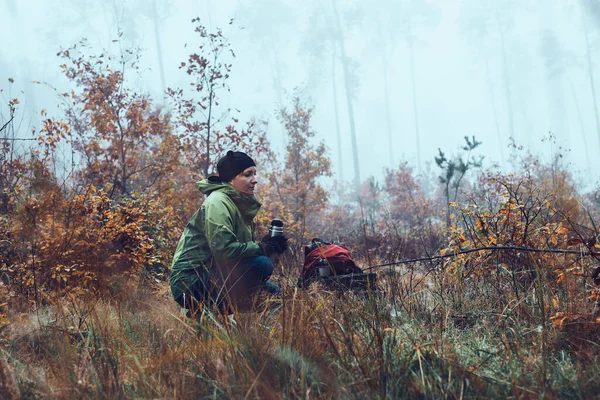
(232,164)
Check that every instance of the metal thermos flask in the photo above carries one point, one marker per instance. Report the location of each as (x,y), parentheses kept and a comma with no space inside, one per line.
(276,228)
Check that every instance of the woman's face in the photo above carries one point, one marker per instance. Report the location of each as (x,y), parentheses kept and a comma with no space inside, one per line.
(245,181)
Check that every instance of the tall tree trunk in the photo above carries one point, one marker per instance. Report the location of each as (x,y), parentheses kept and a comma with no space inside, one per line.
(558,111)
(161,67)
(387,107)
(347,84)
(590,71)
(336,113)
(12,7)
(275,69)
(24,76)
(556,107)
(411,51)
(276,74)
(581,125)
(507,92)
(208,129)
(495,111)
(124,186)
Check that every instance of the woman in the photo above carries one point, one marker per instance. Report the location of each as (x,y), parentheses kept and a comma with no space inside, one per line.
(217,260)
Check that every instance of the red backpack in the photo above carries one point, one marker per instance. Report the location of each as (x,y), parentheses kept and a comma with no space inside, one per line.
(335,255)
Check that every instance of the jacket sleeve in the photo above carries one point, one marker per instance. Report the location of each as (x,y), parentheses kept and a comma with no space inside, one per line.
(223,242)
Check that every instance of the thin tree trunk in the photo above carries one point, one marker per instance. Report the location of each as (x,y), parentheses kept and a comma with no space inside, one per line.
(350,105)
(581,125)
(275,69)
(123,166)
(387,108)
(414,94)
(386,93)
(559,108)
(24,73)
(590,71)
(556,96)
(277,80)
(161,67)
(511,124)
(211,98)
(12,7)
(495,110)
(208,126)
(336,113)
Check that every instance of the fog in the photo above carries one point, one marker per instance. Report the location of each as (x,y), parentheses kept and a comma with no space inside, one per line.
(421,74)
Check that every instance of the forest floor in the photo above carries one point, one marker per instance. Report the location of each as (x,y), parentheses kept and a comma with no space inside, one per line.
(407,343)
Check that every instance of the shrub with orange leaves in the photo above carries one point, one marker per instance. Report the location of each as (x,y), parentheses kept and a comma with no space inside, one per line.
(85,243)
(296,195)
(129,192)
(537,210)
(118,133)
(410,217)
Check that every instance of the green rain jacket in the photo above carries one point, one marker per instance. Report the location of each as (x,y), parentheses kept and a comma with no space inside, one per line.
(220,232)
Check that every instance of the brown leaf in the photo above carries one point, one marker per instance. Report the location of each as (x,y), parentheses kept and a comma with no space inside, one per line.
(596,276)
(574,241)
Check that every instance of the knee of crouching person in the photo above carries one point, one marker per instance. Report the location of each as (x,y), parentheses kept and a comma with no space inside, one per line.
(264,264)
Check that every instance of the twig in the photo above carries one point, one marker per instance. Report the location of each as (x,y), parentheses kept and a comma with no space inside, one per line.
(6,124)
(487,248)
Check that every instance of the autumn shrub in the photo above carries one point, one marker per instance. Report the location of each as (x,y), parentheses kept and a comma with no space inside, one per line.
(385,222)
(81,243)
(295,192)
(410,215)
(85,231)
(523,225)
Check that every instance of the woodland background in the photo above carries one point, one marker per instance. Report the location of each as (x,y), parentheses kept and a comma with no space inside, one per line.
(94,200)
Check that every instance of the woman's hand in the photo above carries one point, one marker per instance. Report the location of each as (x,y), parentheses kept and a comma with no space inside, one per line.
(273,244)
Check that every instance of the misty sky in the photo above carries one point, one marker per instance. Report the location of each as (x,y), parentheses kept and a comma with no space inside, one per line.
(461,74)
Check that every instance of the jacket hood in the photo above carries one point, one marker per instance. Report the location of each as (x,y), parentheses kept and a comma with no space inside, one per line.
(247,205)
(212,184)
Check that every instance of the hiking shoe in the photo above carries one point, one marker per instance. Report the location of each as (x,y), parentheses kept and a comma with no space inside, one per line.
(271,288)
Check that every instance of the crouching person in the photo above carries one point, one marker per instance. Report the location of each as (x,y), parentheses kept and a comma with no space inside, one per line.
(217,261)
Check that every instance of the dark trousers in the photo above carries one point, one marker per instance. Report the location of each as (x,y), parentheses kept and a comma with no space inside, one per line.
(230,286)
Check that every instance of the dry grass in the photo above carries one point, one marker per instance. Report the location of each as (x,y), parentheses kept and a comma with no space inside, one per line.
(311,344)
